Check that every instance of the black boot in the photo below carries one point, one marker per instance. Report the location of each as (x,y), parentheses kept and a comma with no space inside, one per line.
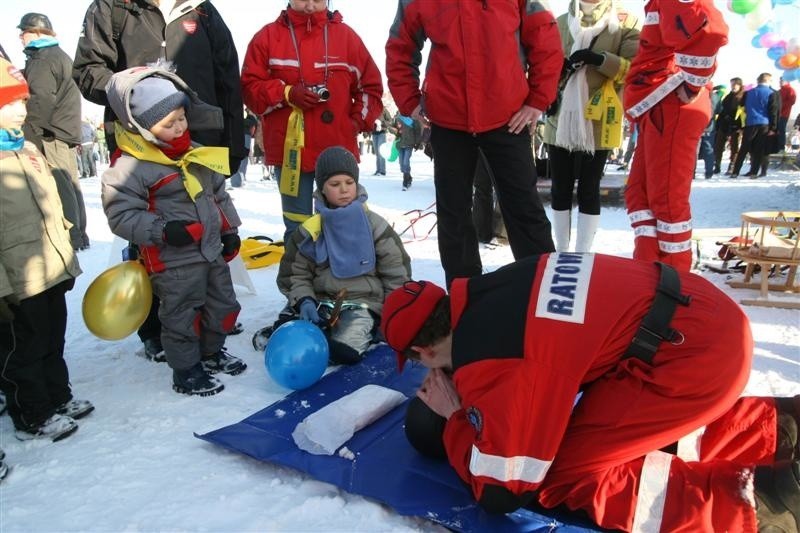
(195,381)
(224,362)
(406,181)
(777,495)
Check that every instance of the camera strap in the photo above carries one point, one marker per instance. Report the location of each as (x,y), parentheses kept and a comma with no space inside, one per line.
(297,52)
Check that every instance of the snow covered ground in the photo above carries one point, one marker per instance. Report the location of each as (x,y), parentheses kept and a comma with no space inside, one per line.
(135,465)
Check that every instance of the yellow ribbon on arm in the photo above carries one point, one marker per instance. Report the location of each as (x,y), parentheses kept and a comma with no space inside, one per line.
(292,147)
(606,107)
(213,157)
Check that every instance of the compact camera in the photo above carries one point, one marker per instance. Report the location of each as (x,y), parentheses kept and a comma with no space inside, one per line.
(321,91)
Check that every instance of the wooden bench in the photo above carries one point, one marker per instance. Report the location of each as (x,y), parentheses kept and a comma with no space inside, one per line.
(769,240)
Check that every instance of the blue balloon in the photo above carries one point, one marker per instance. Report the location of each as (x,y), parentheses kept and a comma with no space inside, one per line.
(776,52)
(791,75)
(756,41)
(296,355)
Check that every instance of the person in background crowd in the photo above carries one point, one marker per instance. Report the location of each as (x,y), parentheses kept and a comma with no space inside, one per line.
(188,36)
(558,407)
(761,107)
(599,40)
(382,125)
(667,95)
(88,141)
(250,121)
(37,268)
(102,147)
(730,121)
(705,150)
(314,84)
(409,138)
(54,116)
(489,105)
(788,98)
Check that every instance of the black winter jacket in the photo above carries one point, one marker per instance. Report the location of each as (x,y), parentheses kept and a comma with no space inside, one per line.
(197,42)
(54,108)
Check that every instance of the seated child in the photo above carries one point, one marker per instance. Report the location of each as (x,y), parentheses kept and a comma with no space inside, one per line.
(37,267)
(167,196)
(345,250)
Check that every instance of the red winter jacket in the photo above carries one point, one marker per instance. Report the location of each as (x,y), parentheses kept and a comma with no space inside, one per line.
(487,60)
(354,82)
(678,44)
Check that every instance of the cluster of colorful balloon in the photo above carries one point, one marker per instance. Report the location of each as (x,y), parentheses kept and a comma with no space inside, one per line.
(774,22)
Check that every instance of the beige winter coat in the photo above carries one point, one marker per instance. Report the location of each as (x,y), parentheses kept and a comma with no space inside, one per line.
(619,48)
(35,250)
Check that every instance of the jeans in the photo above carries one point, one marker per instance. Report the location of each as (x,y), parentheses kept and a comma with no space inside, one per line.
(404,158)
(378,138)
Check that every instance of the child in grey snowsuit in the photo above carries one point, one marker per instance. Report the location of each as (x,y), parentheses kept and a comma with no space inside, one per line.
(345,252)
(167,195)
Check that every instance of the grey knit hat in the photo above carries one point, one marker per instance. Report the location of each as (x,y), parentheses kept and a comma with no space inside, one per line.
(154,98)
(335,160)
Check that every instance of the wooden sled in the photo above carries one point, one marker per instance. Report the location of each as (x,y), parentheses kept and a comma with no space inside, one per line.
(769,241)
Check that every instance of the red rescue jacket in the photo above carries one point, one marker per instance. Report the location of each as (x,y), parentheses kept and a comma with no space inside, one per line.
(678,44)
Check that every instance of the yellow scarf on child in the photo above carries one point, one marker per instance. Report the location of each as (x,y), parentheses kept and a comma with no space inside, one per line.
(213,157)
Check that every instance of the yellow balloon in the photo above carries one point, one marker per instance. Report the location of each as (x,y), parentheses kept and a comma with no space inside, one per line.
(118,301)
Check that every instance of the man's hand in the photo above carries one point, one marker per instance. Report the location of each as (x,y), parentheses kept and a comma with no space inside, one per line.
(686,95)
(419,116)
(438,393)
(526,116)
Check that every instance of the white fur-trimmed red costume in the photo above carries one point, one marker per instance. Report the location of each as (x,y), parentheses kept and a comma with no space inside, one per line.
(677,47)
(560,324)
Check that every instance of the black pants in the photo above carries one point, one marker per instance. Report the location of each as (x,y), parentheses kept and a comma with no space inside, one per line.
(151,328)
(565,168)
(754,142)
(720,140)
(33,373)
(513,173)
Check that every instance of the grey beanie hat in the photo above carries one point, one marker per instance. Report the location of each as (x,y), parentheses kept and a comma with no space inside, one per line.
(154,98)
(335,160)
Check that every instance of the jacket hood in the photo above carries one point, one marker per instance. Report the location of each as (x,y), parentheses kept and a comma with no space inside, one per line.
(200,115)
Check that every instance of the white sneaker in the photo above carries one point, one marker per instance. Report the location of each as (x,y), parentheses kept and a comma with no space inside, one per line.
(56,427)
(76,409)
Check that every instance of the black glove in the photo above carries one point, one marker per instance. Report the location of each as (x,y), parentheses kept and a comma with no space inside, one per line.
(6,313)
(586,57)
(230,246)
(182,232)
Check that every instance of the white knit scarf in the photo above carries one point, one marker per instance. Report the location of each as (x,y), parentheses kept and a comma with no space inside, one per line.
(573,131)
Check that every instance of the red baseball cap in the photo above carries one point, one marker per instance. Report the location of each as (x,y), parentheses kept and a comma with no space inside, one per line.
(405,311)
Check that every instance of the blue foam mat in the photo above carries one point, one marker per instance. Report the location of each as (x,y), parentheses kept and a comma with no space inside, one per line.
(417,486)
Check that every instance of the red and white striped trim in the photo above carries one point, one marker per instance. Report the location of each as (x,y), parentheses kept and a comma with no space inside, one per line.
(649,511)
(504,469)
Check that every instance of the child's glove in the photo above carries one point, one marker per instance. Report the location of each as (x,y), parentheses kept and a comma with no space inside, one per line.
(301,97)
(308,311)
(182,232)
(6,313)
(230,246)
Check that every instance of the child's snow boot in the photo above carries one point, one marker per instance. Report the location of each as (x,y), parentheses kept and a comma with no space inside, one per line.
(195,381)
(153,350)
(223,362)
(55,428)
(3,466)
(777,495)
(75,409)
(788,415)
